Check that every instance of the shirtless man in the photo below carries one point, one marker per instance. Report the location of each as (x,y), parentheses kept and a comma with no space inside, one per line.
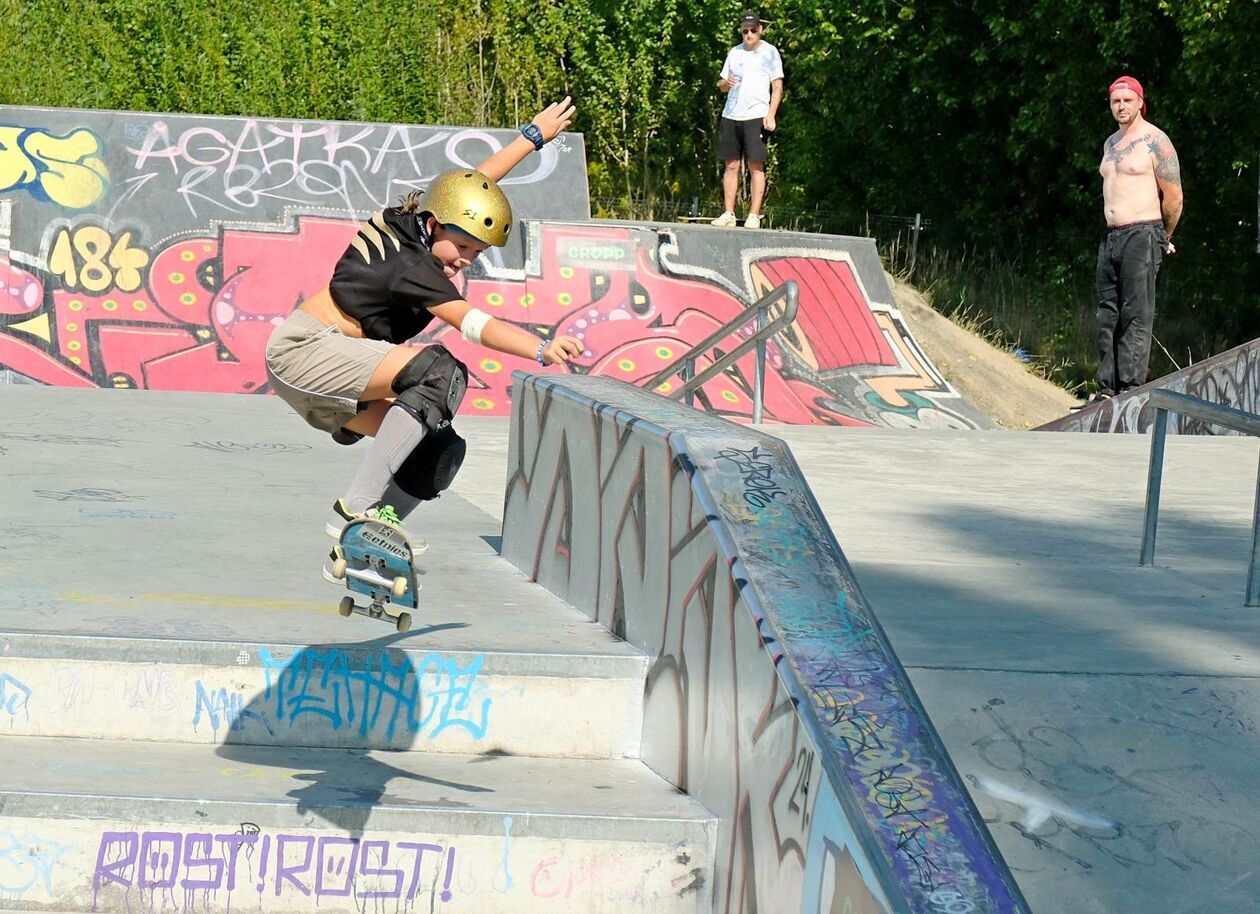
(1142,202)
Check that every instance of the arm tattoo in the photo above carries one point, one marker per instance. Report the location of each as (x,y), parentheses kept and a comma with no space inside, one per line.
(1167,168)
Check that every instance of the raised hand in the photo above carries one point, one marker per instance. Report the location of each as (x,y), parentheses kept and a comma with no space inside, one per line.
(555,118)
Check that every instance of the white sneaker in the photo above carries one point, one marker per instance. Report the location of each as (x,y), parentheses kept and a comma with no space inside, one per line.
(752,220)
(727,219)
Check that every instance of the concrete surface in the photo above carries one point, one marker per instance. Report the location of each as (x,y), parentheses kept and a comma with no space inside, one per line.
(1103,715)
(150,515)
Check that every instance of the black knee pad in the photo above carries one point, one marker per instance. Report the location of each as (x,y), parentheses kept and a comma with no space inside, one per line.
(345,436)
(432,466)
(432,385)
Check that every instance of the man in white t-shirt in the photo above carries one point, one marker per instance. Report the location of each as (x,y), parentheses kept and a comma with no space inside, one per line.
(752,78)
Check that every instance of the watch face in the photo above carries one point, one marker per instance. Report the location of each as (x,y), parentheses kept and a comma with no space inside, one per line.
(533,134)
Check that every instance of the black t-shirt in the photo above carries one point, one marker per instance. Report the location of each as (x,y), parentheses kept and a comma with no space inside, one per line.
(388,279)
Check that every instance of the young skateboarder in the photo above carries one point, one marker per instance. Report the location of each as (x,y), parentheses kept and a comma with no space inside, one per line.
(341,361)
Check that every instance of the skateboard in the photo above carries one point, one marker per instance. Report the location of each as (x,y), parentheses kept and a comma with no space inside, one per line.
(374,559)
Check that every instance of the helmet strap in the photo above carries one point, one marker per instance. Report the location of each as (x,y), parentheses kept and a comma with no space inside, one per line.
(422,223)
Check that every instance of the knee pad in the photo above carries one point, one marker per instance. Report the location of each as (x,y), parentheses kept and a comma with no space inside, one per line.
(431,386)
(431,467)
(345,436)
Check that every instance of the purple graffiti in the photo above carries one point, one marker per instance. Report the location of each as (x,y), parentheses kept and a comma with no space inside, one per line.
(324,866)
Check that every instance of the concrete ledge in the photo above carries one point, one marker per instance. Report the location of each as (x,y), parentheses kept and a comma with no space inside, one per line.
(700,542)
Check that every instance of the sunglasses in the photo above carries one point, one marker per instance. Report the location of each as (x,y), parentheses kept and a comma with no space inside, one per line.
(752,31)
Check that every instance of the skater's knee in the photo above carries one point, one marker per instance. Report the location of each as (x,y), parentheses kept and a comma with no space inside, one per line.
(432,385)
(432,466)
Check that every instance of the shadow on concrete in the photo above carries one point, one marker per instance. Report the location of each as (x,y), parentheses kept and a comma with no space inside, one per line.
(1105,716)
(1046,594)
(332,713)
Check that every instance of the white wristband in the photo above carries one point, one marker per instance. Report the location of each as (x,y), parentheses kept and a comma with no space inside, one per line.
(473,323)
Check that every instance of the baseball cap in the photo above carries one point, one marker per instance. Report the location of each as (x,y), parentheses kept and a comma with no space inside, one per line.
(750,17)
(1128,82)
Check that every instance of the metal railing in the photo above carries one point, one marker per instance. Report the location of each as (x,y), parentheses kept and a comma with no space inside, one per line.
(685,365)
(1166,401)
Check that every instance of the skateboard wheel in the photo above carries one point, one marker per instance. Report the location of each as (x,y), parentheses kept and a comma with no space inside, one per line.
(404,622)
(339,569)
(346,606)
(400,586)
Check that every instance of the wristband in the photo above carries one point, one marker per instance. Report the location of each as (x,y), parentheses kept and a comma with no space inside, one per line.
(538,356)
(533,134)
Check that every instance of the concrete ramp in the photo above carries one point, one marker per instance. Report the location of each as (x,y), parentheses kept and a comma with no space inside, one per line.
(1231,378)
(772,695)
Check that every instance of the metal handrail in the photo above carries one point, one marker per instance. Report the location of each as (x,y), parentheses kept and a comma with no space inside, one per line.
(685,365)
(1166,401)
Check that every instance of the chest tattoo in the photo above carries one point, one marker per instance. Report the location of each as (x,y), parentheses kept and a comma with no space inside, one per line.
(1117,153)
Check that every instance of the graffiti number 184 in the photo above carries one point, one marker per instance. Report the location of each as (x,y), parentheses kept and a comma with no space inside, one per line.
(91,260)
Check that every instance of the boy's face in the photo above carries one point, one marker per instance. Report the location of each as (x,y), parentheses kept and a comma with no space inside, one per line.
(454,248)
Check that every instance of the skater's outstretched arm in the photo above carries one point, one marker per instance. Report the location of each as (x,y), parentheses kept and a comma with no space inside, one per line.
(505,337)
(550,122)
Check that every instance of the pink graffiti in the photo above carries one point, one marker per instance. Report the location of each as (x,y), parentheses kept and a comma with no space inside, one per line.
(202,318)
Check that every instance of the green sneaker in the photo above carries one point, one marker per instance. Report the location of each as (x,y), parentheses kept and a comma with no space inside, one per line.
(342,515)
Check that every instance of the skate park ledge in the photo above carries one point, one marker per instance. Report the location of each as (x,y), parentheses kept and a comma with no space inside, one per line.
(773,695)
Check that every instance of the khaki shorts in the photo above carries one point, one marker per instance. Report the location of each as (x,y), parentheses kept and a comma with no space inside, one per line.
(319,371)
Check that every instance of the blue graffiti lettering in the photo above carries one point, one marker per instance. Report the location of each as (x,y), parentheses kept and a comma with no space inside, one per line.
(428,697)
(25,861)
(15,696)
(223,707)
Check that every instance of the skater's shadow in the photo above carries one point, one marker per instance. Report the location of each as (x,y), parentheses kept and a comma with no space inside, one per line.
(332,721)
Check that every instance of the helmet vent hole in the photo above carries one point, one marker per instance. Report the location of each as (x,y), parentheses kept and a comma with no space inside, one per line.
(489,222)
(485,186)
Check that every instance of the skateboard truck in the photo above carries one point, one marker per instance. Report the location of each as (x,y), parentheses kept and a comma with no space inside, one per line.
(374,559)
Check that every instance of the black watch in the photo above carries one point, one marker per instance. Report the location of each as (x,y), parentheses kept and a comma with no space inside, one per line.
(534,135)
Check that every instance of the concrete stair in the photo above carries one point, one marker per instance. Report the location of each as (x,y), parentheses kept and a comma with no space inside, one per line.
(286,827)
(186,723)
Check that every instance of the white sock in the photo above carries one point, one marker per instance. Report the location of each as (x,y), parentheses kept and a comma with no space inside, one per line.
(400,433)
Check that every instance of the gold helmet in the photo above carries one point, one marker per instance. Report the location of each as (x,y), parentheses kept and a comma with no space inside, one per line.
(469,201)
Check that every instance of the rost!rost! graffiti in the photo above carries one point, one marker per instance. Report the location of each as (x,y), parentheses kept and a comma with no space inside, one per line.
(326,866)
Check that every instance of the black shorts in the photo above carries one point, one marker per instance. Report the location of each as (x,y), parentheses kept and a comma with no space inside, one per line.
(741,140)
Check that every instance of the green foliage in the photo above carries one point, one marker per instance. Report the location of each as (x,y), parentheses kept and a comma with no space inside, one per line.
(986,116)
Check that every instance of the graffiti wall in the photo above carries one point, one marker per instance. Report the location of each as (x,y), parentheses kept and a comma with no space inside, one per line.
(1230,379)
(156,251)
(772,695)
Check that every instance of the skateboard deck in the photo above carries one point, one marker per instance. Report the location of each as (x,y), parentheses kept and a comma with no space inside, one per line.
(374,559)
